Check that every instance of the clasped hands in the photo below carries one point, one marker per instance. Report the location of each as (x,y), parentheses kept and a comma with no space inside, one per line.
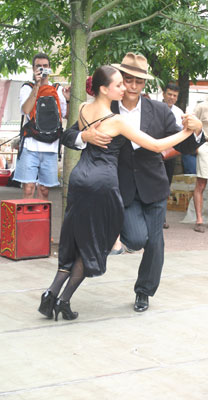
(192,123)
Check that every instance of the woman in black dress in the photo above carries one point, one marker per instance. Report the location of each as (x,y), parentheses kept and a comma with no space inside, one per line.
(94,212)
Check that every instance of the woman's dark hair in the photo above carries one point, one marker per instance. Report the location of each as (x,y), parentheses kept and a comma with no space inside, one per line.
(102,77)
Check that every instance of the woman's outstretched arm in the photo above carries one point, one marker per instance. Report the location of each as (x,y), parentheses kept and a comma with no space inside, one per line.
(148,142)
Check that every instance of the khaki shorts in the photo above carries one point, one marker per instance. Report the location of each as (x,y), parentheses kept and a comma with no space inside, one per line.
(202,161)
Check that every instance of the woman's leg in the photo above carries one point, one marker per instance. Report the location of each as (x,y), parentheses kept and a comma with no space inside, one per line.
(60,278)
(76,278)
(48,298)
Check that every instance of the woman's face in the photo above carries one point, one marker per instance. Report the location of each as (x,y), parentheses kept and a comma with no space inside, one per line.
(116,88)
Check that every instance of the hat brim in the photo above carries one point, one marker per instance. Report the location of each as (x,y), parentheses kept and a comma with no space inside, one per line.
(137,74)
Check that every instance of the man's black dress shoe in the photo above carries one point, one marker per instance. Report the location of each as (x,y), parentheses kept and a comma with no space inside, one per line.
(141,302)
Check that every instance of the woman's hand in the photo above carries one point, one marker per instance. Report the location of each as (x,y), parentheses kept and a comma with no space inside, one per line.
(95,137)
(188,132)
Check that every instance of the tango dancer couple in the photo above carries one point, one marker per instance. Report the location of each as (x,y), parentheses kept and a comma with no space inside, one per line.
(119,185)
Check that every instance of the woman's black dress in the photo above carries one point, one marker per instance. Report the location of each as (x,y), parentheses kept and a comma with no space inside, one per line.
(94,212)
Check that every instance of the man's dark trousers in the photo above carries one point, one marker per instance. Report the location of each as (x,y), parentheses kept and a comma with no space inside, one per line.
(143,228)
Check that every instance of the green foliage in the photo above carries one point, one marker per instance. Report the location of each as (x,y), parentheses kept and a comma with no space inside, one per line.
(165,43)
(28,27)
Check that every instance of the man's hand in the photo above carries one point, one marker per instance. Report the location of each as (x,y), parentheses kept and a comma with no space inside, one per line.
(38,77)
(95,137)
(191,122)
(66,92)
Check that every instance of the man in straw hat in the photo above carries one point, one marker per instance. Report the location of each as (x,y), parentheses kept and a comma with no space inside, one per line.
(143,180)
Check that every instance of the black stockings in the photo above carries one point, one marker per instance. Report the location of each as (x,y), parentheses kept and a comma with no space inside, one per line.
(75,279)
(58,282)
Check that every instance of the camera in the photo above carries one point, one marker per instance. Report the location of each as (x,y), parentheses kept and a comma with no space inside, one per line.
(45,71)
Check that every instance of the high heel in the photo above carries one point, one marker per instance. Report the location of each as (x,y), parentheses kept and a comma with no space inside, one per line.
(64,308)
(47,304)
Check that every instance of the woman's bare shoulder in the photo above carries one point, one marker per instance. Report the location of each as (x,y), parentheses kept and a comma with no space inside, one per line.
(82,105)
(119,119)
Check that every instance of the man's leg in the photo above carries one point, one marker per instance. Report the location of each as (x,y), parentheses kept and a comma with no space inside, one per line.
(198,203)
(42,192)
(153,257)
(47,174)
(189,163)
(28,190)
(26,172)
(134,232)
(143,228)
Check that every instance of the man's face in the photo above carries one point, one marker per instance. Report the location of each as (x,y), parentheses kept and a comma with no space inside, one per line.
(40,62)
(134,87)
(170,97)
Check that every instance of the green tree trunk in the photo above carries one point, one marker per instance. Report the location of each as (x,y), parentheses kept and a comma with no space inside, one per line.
(79,37)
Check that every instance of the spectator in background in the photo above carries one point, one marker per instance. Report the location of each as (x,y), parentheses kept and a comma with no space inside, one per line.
(170,97)
(39,158)
(201,111)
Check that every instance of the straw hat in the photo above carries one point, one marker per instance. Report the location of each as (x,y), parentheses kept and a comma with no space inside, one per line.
(134,64)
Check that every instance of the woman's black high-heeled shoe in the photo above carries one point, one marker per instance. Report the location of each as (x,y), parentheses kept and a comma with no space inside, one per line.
(47,304)
(64,308)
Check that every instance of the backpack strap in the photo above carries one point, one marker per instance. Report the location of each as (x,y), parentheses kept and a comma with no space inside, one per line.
(22,120)
(31,84)
(22,138)
(56,85)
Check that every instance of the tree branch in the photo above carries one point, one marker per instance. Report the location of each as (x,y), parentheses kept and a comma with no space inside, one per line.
(205,10)
(68,26)
(95,34)
(98,14)
(9,26)
(182,22)
(103,10)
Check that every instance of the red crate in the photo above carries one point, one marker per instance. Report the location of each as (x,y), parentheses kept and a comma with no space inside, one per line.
(4,176)
(25,228)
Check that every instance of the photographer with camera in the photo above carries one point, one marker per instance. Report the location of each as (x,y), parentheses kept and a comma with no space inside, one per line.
(38,161)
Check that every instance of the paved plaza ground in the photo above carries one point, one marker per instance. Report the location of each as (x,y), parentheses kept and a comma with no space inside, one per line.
(109,352)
